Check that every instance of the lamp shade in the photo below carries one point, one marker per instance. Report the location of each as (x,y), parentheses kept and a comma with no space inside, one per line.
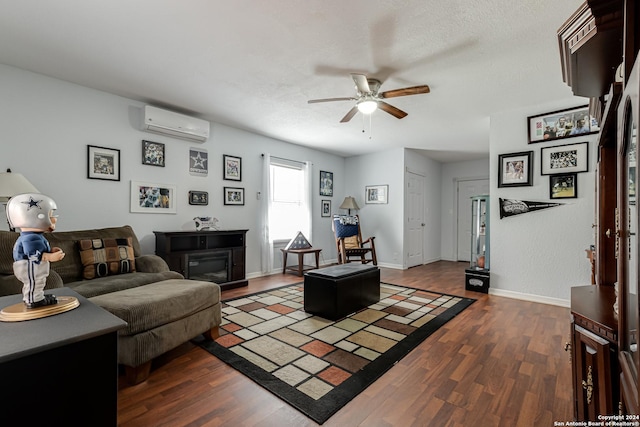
(349,203)
(14,183)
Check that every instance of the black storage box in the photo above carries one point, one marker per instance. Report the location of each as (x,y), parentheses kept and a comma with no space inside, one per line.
(334,292)
(477,280)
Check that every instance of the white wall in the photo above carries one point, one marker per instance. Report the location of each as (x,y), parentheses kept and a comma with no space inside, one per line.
(542,253)
(46,125)
(384,221)
(451,173)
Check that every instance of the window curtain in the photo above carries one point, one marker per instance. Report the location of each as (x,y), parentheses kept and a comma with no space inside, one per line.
(265,206)
(308,181)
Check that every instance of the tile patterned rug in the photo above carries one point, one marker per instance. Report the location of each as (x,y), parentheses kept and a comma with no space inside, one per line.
(318,365)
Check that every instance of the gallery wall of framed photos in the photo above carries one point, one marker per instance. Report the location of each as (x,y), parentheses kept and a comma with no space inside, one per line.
(562,147)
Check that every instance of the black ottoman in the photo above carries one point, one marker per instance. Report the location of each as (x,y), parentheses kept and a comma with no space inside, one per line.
(334,292)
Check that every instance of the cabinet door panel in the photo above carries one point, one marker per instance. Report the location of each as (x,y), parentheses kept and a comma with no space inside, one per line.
(593,380)
(627,242)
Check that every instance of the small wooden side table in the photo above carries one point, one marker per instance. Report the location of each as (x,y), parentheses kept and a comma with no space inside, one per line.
(300,268)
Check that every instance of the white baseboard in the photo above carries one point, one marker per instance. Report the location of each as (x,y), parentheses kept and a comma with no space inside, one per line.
(277,270)
(259,274)
(387,265)
(530,297)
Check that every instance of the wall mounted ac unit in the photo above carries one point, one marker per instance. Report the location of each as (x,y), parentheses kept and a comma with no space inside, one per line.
(165,122)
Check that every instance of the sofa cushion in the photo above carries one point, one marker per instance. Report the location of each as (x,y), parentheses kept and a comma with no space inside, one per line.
(7,241)
(148,307)
(106,257)
(104,285)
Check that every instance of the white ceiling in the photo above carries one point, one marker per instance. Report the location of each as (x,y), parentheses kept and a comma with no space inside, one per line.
(253,64)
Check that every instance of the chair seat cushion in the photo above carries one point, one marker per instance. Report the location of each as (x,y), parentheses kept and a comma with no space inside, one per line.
(156,304)
(351,242)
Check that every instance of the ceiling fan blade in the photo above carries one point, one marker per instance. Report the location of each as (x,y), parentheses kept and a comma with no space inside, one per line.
(361,82)
(349,115)
(396,112)
(415,90)
(313,101)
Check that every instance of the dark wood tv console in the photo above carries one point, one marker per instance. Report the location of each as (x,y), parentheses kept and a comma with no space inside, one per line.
(214,256)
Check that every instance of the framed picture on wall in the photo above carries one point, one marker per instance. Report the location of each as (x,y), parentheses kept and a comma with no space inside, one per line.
(563,186)
(326,183)
(152,198)
(565,158)
(326,208)
(198,198)
(198,162)
(561,124)
(515,169)
(103,163)
(152,153)
(233,196)
(376,194)
(232,168)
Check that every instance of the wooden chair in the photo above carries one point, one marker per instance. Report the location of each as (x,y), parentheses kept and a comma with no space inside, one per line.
(349,243)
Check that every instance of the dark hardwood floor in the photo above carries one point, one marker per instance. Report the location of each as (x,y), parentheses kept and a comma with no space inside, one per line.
(501,362)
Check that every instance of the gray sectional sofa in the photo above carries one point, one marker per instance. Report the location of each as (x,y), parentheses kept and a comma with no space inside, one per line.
(161,308)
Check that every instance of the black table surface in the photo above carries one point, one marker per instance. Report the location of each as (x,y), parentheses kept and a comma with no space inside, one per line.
(342,270)
(19,339)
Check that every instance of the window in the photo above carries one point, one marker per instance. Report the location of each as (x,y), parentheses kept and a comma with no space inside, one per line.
(288,213)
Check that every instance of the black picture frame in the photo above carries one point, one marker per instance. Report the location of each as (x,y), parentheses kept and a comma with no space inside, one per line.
(103,163)
(233,196)
(326,183)
(564,158)
(563,186)
(550,126)
(515,169)
(152,153)
(231,168)
(326,208)
(200,198)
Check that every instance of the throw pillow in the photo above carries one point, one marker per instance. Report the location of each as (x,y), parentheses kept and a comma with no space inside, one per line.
(106,257)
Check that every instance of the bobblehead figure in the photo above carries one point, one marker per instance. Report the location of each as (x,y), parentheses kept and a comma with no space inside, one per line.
(33,214)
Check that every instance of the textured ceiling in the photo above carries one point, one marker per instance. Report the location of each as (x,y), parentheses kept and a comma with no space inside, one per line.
(254,64)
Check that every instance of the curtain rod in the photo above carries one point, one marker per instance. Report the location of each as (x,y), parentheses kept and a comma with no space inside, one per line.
(282,158)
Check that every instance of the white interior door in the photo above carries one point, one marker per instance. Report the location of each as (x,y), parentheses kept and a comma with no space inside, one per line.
(415,219)
(466,190)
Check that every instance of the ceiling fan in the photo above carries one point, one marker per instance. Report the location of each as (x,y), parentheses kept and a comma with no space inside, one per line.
(368,99)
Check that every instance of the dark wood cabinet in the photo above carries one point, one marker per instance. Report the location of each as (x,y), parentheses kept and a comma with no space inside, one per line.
(599,45)
(594,349)
(213,256)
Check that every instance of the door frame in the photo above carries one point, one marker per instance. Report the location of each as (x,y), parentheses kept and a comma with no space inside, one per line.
(454,223)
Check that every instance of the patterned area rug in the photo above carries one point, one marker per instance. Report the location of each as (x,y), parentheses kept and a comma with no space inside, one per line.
(318,365)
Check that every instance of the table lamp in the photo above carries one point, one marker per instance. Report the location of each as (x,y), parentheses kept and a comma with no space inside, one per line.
(349,203)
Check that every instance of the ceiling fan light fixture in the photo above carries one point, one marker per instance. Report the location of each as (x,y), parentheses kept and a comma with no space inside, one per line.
(367,106)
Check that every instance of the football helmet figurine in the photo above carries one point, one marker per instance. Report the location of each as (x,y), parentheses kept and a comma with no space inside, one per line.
(33,214)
